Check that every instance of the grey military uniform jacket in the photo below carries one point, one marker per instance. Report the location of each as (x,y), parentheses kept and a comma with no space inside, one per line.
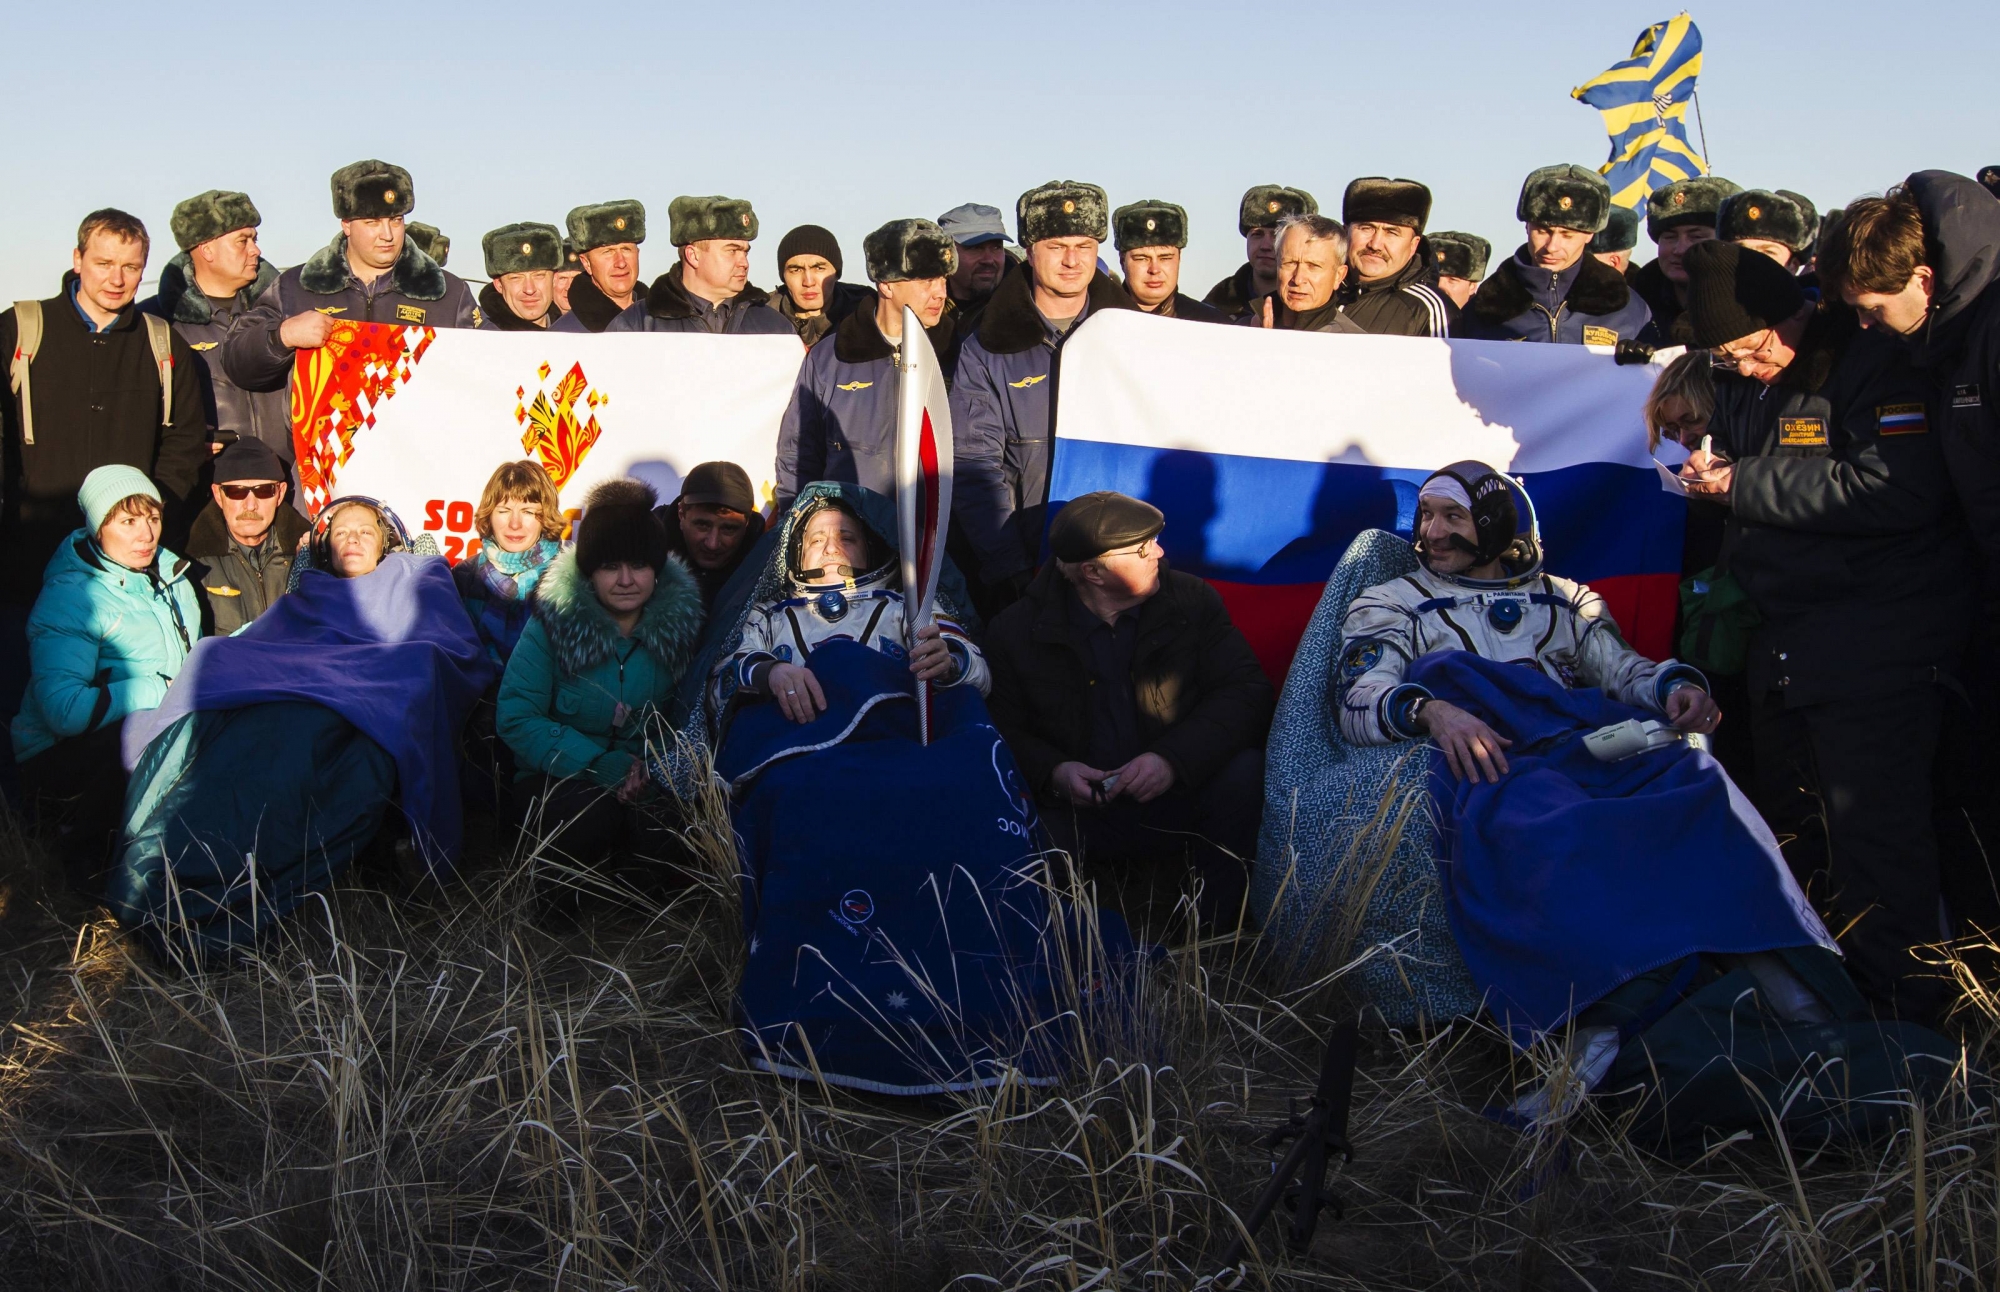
(264,415)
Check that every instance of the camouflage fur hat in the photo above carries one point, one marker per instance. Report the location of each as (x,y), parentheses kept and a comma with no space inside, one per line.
(606,224)
(522,248)
(431,240)
(1062,208)
(1459,255)
(1686,201)
(1377,200)
(1620,232)
(700,219)
(1264,205)
(1761,213)
(208,216)
(1151,223)
(905,250)
(372,190)
(1567,196)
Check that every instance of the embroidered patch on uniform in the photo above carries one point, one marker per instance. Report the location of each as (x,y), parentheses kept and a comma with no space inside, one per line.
(1358,658)
(1600,335)
(222,592)
(332,309)
(411,314)
(854,385)
(1965,396)
(1801,432)
(1901,419)
(199,346)
(1026,382)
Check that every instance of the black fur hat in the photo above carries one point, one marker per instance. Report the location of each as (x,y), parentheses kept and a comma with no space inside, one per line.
(372,190)
(1686,201)
(521,248)
(1620,232)
(903,250)
(1151,223)
(1062,208)
(1459,255)
(1760,213)
(606,224)
(701,219)
(1264,205)
(1567,196)
(618,524)
(207,216)
(1378,200)
(431,240)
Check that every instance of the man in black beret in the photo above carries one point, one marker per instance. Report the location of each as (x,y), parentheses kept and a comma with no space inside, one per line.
(1389,284)
(242,542)
(1782,226)
(811,297)
(1614,242)
(1134,707)
(1459,262)
(1551,289)
(218,275)
(605,237)
(370,273)
(1677,216)
(521,259)
(709,289)
(1150,237)
(1263,208)
(1841,531)
(713,524)
(841,424)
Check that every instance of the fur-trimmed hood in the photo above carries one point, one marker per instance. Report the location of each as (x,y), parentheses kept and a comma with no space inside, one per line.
(181,301)
(1597,289)
(859,340)
(668,298)
(1011,323)
(582,634)
(414,274)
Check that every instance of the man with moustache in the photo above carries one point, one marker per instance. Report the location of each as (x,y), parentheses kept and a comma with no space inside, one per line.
(1263,207)
(243,542)
(605,237)
(1389,288)
(1552,289)
(1150,237)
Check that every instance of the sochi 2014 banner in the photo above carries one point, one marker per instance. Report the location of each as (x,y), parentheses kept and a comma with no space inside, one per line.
(1269,451)
(419,417)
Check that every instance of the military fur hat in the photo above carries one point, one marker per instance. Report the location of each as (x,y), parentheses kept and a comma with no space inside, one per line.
(903,250)
(1062,208)
(1620,232)
(606,224)
(1264,205)
(431,240)
(210,215)
(1567,196)
(699,219)
(1761,213)
(1151,223)
(522,248)
(1377,200)
(1459,255)
(372,190)
(1686,201)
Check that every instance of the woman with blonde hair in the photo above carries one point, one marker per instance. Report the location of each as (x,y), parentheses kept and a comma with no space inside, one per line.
(520,523)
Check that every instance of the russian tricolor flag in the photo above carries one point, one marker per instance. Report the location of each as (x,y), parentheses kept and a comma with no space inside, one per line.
(1269,451)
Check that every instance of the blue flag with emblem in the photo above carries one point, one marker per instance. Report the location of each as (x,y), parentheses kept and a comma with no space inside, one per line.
(1644,100)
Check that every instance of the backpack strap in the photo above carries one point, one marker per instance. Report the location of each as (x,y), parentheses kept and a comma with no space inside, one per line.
(27,339)
(161,334)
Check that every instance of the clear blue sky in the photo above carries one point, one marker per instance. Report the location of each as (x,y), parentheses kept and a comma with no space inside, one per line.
(852,114)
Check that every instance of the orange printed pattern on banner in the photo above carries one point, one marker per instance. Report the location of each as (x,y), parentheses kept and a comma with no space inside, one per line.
(336,390)
(550,429)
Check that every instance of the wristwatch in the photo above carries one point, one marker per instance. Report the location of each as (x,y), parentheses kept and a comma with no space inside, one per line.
(1416,707)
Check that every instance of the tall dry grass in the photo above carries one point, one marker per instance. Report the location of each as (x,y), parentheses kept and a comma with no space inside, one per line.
(452,1094)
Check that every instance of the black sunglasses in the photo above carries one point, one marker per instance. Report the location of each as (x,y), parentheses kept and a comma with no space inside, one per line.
(237,493)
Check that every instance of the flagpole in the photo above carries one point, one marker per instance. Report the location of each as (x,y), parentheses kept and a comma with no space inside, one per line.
(1702,126)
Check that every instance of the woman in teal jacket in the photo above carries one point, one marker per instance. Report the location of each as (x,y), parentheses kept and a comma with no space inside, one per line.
(115,619)
(615,625)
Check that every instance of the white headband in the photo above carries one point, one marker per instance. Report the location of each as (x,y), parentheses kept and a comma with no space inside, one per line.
(1447,488)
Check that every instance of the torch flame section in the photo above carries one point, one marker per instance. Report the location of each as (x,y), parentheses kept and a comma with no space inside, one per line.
(550,429)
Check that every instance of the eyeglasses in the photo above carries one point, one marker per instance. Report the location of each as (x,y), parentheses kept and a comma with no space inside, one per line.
(1761,353)
(237,493)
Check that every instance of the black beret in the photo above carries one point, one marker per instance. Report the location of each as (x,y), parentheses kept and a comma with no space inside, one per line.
(522,248)
(1062,208)
(1095,523)
(606,224)
(905,250)
(1151,223)
(701,219)
(431,240)
(208,216)
(1760,213)
(1375,199)
(372,190)
(719,484)
(1686,201)
(1459,255)
(1620,231)
(1265,205)
(1567,196)
(1734,292)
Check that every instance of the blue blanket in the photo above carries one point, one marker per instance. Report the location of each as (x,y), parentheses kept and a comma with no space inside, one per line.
(1572,876)
(392,652)
(899,940)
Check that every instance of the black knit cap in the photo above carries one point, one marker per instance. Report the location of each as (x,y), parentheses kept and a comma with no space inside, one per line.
(719,484)
(249,458)
(809,240)
(1734,292)
(618,524)
(1092,524)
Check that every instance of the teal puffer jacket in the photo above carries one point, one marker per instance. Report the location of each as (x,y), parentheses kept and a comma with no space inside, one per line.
(571,671)
(103,642)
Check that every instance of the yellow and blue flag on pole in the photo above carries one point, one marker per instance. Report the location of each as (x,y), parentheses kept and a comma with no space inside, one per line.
(1645,102)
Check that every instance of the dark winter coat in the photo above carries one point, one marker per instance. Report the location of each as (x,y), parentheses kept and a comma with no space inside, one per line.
(1199,693)
(1588,303)
(841,424)
(590,310)
(1182,306)
(263,415)
(495,315)
(415,290)
(711,582)
(1842,527)
(843,299)
(233,584)
(1327,318)
(97,402)
(668,306)
(1234,294)
(1406,303)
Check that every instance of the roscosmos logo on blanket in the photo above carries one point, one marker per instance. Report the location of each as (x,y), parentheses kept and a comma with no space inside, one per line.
(1015,790)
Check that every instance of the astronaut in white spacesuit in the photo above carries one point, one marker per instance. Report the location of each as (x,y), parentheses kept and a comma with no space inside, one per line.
(1482,589)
